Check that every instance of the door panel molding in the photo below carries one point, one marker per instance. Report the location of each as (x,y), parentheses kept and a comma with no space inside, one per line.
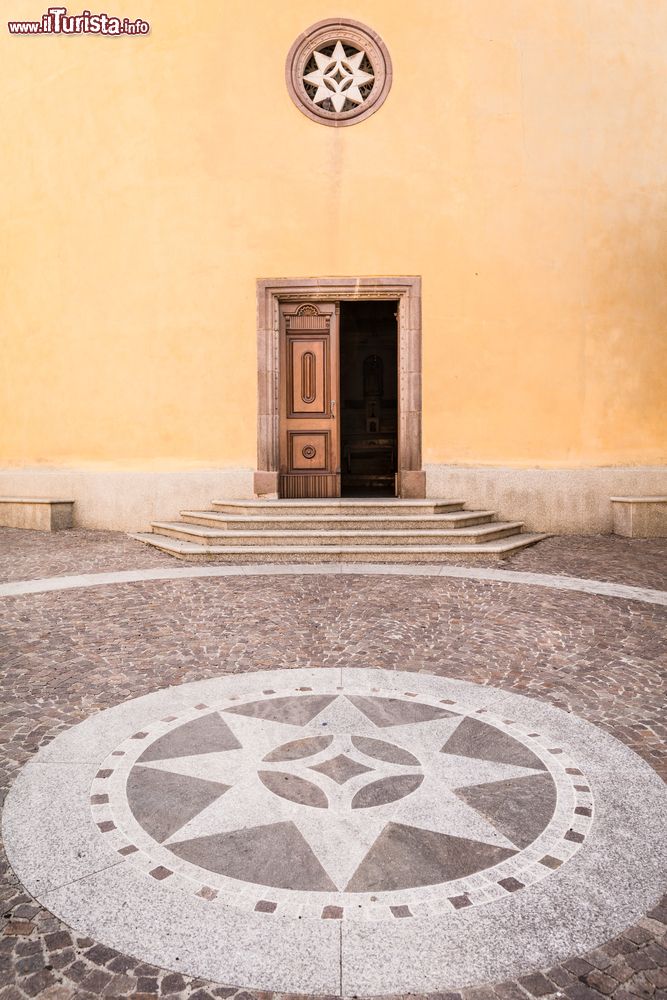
(312,398)
(309,450)
(271,292)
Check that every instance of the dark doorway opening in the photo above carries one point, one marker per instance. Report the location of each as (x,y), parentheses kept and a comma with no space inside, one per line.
(369,398)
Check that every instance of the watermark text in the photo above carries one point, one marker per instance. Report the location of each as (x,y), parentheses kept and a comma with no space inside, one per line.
(56,21)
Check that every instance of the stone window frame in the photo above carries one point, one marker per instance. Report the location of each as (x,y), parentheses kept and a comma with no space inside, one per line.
(356,33)
(406,290)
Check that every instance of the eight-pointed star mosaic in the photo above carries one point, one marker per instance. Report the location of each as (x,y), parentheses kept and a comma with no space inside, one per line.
(340,793)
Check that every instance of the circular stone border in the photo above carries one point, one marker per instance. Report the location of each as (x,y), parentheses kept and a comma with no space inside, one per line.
(555,845)
(66,862)
(550,581)
(329,31)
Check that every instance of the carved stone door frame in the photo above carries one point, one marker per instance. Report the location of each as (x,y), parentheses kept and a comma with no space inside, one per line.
(271,292)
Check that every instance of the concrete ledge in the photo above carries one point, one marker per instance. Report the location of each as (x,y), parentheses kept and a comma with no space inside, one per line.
(36,513)
(563,501)
(560,501)
(640,517)
(128,500)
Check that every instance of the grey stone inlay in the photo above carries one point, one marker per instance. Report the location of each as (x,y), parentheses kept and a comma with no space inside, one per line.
(341,768)
(405,856)
(163,802)
(205,735)
(294,711)
(273,855)
(48,829)
(384,751)
(550,581)
(385,712)
(296,749)
(123,909)
(294,788)
(483,742)
(520,808)
(386,790)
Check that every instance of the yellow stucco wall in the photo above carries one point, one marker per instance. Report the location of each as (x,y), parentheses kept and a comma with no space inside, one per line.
(518,165)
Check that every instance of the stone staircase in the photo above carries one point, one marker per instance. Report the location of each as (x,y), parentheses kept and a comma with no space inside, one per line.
(343,531)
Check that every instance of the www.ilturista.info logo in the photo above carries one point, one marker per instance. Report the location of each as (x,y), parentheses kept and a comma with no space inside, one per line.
(57,21)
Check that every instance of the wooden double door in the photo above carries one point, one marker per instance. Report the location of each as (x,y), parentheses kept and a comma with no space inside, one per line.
(310,464)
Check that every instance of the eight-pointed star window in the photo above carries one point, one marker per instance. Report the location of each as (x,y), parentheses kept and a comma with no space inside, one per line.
(338,72)
(340,78)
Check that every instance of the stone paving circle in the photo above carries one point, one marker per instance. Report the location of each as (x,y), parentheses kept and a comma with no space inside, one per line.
(335,831)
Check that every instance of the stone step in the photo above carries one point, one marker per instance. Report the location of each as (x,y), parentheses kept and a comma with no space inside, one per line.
(346,522)
(300,554)
(325,508)
(205,535)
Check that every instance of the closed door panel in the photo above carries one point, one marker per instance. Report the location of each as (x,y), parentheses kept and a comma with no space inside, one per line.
(309,437)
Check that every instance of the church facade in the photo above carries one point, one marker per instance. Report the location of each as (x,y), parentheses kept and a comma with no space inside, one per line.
(300,251)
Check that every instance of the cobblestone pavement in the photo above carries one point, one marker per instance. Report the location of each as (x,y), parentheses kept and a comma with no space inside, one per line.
(638,562)
(31,555)
(66,655)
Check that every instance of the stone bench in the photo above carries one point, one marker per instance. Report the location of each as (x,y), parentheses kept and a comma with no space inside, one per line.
(39,513)
(640,517)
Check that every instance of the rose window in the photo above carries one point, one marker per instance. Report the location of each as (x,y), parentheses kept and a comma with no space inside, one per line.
(338,72)
(339,77)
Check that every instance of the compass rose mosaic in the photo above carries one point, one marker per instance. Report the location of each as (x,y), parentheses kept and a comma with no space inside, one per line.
(315,830)
(376,800)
